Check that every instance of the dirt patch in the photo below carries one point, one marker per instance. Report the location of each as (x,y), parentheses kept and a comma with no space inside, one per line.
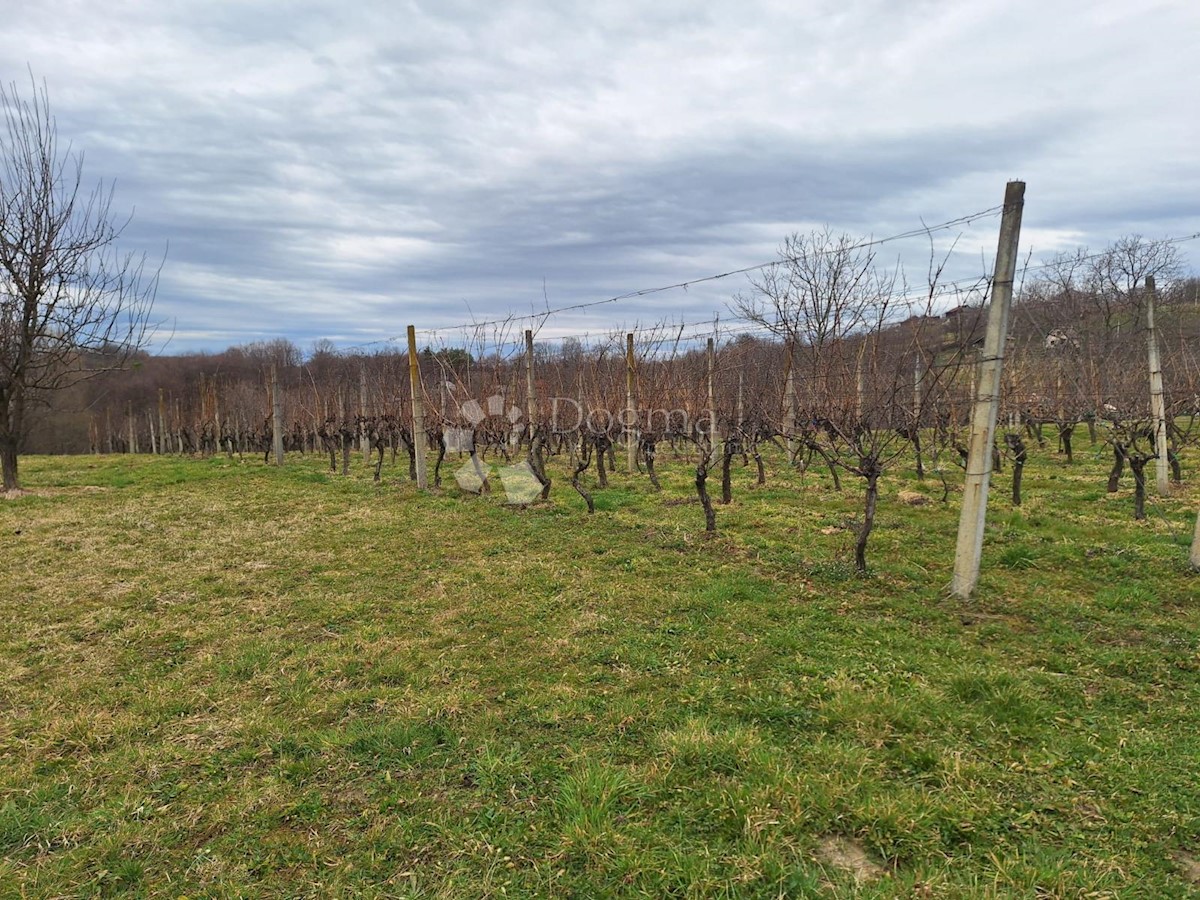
(1188,866)
(848,856)
(912,498)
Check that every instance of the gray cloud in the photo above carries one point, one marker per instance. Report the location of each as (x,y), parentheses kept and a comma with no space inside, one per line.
(343,172)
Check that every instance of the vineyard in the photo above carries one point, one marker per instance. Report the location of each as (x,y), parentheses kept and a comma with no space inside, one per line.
(832,359)
(666,610)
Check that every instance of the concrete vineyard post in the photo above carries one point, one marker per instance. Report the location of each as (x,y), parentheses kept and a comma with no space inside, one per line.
(418,408)
(969,547)
(630,408)
(530,395)
(1195,558)
(276,418)
(710,356)
(1157,403)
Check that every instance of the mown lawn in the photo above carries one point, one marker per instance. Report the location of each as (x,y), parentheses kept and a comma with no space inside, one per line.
(219,679)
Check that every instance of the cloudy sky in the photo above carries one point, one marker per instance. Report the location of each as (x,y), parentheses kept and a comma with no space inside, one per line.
(340,171)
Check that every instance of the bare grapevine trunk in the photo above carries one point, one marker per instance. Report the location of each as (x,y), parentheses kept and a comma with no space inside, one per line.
(437,466)
(581,465)
(871,469)
(1065,431)
(1019,458)
(649,451)
(710,515)
(1114,476)
(916,442)
(603,445)
(537,461)
(1137,465)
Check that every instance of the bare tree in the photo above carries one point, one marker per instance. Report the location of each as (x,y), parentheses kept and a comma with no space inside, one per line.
(71,303)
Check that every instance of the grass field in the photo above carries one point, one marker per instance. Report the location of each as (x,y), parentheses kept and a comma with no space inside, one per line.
(221,679)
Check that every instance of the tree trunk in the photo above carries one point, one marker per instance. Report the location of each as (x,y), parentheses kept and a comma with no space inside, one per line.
(8,462)
(11,418)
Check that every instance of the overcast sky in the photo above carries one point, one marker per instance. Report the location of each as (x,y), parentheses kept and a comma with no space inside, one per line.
(340,171)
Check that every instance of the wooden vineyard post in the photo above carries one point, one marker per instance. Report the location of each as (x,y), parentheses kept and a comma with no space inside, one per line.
(162,424)
(860,385)
(1157,404)
(789,404)
(630,409)
(276,417)
(364,439)
(741,403)
(712,404)
(216,411)
(530,396)
(969,548)
(918,376)
(418,408)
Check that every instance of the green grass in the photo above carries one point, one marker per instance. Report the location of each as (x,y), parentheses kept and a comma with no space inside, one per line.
(220,679)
